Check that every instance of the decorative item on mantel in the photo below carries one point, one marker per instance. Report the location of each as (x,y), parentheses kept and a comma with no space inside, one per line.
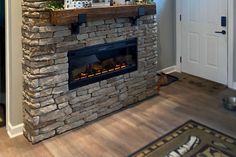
(100,3)
(72,4)
(143,2)
(55,5)
(69,4)
(77,4)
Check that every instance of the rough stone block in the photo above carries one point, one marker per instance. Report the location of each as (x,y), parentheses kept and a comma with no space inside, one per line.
(82,92)
(67,110)
(91,117)
(53,79)
(52,28)
(82,36)
(47,102)
(62,33)
(54,68)
(103,91)
(36,139)
(43,110)
(51,116)
(80,99)
(61,89)
(95,23)
(95,42)
(34,121)
(65,98)
(63,105)
(51,127)
(69,126)
(49,41)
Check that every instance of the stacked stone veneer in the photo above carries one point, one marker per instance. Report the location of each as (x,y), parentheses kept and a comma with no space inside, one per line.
(50,108)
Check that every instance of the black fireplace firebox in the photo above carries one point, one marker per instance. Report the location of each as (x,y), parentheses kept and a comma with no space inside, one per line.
(96,63)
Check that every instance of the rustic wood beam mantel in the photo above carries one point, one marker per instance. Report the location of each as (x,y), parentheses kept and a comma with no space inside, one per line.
(64,17)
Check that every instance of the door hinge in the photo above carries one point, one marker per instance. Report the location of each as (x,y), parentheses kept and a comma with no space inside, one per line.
(180,59)
(180,17)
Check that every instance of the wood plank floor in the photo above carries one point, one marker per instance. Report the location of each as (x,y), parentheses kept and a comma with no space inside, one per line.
(131,129)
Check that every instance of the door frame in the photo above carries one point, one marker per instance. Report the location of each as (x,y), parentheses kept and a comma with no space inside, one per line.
(7,57)
(230,45)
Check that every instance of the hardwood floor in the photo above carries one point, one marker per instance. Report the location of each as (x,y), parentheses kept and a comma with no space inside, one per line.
(126,131)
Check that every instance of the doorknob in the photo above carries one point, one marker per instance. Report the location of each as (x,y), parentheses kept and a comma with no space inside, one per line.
(222,32)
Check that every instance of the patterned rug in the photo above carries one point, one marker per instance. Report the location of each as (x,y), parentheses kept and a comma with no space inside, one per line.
(191,140)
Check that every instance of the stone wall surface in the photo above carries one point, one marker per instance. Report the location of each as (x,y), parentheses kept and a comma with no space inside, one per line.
(50,108)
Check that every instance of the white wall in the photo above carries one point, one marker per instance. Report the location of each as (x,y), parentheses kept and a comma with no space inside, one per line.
(14,58)
(166,15)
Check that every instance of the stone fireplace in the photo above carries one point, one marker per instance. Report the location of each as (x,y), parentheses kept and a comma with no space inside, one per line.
(72,79)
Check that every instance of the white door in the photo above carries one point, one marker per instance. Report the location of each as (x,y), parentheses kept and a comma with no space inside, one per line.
(204,48)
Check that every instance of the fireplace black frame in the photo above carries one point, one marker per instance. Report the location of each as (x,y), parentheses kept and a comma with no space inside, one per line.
(73,84)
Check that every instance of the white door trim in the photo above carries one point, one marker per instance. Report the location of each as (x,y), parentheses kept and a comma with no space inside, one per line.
(230,43)
(178,36)
(7,60)
(230,39)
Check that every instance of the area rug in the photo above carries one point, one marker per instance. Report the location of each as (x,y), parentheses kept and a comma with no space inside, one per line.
(169,79)
(191,140)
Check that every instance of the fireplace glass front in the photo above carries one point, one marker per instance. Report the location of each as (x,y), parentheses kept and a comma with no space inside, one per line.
(100,62)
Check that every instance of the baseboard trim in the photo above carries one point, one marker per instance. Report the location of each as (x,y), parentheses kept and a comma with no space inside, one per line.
(234,86)
(169,70)
(14,131)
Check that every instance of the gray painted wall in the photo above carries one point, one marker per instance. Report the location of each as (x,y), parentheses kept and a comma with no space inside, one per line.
(166,16)
(234,41)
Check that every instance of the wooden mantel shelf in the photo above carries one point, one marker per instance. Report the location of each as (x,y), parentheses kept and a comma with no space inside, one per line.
(64,17)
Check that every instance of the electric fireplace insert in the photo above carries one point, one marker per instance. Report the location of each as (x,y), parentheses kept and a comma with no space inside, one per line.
(92,64)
